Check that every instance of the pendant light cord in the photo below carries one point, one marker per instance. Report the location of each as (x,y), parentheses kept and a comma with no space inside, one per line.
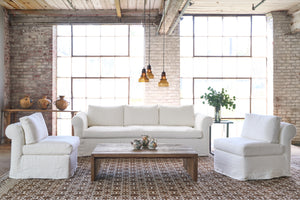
(164,38)
(149,34)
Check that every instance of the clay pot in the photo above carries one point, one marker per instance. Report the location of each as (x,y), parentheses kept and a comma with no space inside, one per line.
(43,103)
(26,102)
(61,103)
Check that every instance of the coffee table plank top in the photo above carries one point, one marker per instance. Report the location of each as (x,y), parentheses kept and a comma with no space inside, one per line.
(125,150)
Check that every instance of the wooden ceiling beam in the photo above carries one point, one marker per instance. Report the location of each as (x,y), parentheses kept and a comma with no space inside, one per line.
(118,8)
(172,12)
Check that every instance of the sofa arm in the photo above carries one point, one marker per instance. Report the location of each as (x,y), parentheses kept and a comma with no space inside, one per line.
(203,122)
(287,132)
(79,123)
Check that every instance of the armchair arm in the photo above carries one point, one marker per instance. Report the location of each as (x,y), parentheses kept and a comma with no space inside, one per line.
(203,122)
(79,122)
(287,132)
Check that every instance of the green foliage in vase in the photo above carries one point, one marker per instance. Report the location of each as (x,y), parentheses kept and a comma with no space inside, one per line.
(219,99)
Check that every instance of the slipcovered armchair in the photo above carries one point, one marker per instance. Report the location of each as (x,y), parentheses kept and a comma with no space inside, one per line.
(262,152)
(34,154)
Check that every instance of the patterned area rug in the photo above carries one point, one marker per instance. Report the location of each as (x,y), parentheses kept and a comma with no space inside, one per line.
(151,179)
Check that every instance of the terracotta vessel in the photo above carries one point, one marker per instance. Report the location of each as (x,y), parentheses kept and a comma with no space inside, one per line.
(61,103)
(26,102)
(43,103)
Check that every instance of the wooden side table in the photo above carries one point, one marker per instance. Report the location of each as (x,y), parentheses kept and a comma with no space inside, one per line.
(225,122)
(10,116)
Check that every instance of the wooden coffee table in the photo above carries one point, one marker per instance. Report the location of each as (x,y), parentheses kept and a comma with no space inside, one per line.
(117,150)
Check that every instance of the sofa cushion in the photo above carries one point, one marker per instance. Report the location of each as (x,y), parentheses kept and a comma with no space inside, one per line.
(177,115)
(53,145)
(140,115)
(247,147)
(105,115)
(172,132)
(261,127)
(34,127)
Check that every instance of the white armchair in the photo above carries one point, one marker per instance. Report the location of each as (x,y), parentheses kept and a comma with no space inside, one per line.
(34,154)
(262,152)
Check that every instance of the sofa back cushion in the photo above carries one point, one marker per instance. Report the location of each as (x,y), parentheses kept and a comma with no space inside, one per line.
(105,115)
(261,127)
(177,115)
(140,115)
(34,127)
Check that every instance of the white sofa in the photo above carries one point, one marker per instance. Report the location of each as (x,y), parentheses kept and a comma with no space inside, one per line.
(34,154)
(122,124)
(262,152)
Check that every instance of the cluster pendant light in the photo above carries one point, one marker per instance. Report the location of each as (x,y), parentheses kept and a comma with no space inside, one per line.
(144,77)
(163,80)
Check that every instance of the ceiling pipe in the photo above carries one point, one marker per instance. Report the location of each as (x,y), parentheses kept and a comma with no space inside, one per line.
(254,7)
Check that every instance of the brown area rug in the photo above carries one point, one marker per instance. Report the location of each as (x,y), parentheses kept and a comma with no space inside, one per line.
(151,179)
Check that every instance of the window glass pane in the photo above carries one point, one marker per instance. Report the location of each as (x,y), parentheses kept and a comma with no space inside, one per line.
(186,46)
(121,30)
(107,67)
(243,46)
(121,88)
(63,67)
(136,31)
(187,67)
(64,30)
(259,106)
(200,26)
(93,30)
(78,66)
(259,88)
(63,87)
(121,47)
(201,86)
(93,88)
(107,30)
(186,26)
(64,127)
(93,67)
(79,104)
(79,88)
(259,69)
(137,46)
(214,45)
(122,67)
(214,67)
(64,46)
(259,48)
(229,67)
(200,46)
(229,46)
(79,30)
(93,46)
(215,26)
(259,27)
(230,26)
(107,88)
(244,67)
(186,88)
(200,67)
(107,46)
(244,26)
(79,46)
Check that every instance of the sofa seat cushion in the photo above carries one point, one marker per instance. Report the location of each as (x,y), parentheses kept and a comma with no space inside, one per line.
(171,132)
(53,145)
(247,147)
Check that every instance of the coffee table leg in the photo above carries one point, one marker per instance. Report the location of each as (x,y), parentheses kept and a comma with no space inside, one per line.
(92,168)
(191,166)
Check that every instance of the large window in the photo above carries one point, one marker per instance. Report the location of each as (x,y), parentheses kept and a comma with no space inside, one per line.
(94,66)
(226,52)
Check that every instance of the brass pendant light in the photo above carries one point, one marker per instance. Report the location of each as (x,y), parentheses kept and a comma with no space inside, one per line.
(149,71)
(144,77)
(163,80)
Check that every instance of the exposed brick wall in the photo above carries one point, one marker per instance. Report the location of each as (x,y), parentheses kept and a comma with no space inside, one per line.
(31,65)
(286,71)
(163,95)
